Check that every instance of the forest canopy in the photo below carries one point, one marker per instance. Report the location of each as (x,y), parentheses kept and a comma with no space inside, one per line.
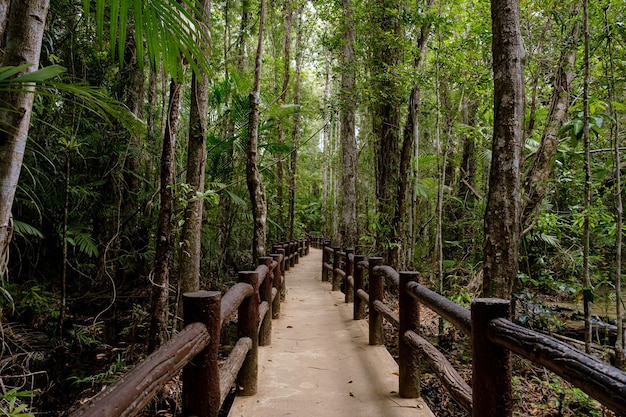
(161,147)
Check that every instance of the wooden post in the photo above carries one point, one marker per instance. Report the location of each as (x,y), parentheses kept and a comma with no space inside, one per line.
(349,273)
(307,245)
(275,248)
(298,250)
(359,284)
(201,376)
(265,294)
(491,364)
(278,280)
(336,263)
(408,363)
(283,286)
(324,262)
(287,248)
(293,254)
(376,292)
(248,326)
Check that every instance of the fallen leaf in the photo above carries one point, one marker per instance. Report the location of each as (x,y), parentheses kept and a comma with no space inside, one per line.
(290,327)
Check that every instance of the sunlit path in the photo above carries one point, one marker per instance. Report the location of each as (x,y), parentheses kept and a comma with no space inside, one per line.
(319,362)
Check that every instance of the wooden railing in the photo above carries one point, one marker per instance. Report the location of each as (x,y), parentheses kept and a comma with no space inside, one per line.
(255,298)
(493,338)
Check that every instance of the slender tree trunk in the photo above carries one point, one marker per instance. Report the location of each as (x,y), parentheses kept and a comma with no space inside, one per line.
(66,212)
(191,252)
(587,288)
(541,167)
(296,130)
(348,229)
(619,206)
(160,276)
(255,185)
(502,215)
(325,144)
(280,176)
(23,34)
(409,151)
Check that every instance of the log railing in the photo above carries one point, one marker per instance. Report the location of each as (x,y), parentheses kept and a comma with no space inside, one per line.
(256,300)
(493,338)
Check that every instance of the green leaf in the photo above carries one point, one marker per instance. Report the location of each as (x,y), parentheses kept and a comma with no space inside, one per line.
(9,71)
(617,106)
(42,74)
(25,229)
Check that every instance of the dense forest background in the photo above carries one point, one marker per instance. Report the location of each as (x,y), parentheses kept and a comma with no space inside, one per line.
(375,127)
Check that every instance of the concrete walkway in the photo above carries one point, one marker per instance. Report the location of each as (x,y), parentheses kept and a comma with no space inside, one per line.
(320,363)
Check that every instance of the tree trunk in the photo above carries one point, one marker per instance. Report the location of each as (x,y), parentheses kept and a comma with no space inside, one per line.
(280,182)
(386,123)
(253,175)
(619,205)
(541,168)
(160,276)
(24,33)
(5,5)
(325,144)
(190,254)
(502,215)
(348,229)
(587,195)
(409,146)
(296,131)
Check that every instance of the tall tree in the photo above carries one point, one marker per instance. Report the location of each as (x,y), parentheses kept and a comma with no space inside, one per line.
(160,277)
(387,92)
(502,215)
(296,127)
(588,193)
(619,205)
(22,26)
(253,174)
(348,228)
(280,200)
(410,142)
(196,161)
(540,168)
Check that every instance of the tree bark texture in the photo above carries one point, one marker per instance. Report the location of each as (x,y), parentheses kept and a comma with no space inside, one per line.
(23,34)
(541,168)
(4,18)
(348,229)
(280,199)
(191,253)
(386,122)
(293,183)
(160,276)
(502,215)
(253,175)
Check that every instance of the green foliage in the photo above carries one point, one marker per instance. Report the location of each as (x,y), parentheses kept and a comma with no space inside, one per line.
(170,30)
(11,403)
(84,336)
(25,229)
(111,374)
(80,238)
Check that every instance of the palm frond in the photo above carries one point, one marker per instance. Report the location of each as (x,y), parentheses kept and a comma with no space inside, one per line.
(171,30)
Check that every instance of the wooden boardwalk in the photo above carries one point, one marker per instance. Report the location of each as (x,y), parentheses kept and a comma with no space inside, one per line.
(320,363)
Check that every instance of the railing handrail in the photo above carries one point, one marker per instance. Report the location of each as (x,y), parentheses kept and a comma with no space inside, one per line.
(256,298)
(491,333)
